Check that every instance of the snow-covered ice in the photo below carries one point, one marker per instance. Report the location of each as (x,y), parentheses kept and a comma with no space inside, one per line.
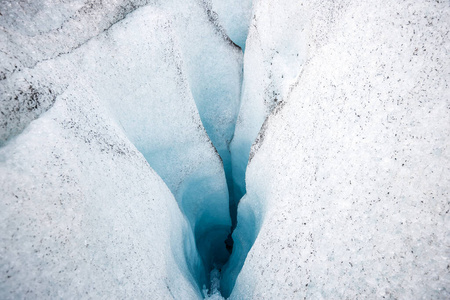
(128,128)
(84,215)
(133,83)
(41,30)
(348,180)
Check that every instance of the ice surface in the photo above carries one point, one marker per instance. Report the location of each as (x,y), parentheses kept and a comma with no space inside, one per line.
(39,30)
(45,29)
(235,18)
(346,192)
(274,55)
(214,70)
(134,83)
(350,175)
(83,213)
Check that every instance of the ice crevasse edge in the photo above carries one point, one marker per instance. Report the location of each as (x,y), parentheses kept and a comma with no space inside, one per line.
(348,179)
(112,99)
(347,185)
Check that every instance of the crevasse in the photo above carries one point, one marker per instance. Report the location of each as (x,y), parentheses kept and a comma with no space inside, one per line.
(90,116)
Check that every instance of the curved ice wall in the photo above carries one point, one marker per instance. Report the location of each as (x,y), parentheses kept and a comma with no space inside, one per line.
(348,180)
(154,105)
(84,214)
(214,71)
(125,80)
(234,16)
(275,52)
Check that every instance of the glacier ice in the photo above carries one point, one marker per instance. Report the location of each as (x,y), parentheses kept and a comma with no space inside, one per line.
(348,180)
(84,214)
(128,127)
(234,16)
(146,88)
(214,71)
(138,85)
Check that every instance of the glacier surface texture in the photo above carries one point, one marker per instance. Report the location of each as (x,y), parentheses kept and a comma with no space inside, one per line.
(191,149)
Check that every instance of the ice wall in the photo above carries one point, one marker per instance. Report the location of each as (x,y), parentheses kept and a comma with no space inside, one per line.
(142,76)
(234,16)
(83,213)
(275,52)
(132,82)
(214,70)
(350,173)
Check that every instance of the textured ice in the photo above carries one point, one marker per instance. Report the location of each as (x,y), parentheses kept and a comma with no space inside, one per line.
(112,111)
(83,213)
(133,84)
(275,52)
(37,31)
(45,29)
(349,177)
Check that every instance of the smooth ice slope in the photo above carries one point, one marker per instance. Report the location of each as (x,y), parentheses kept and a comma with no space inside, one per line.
(234,16)
(214,70)
(349,178)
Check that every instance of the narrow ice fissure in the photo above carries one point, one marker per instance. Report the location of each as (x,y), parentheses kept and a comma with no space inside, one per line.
(136,82)
(211,244)
(223,270)
(212,247)
(215,243)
